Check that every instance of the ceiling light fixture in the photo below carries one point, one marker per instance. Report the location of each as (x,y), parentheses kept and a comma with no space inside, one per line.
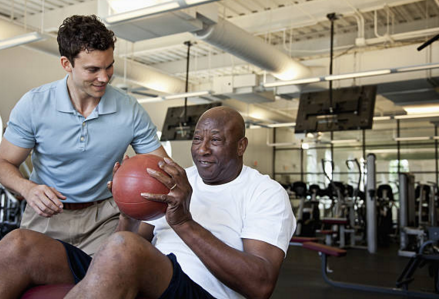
(420,138)
(358,75)
(293,82)
(378,118)
(421,109)
(421,67)
(405,116)
(150,100)
(187,95)
(370,73)
(280,125)
(341,141)
(20,40)
(413,116)
(152,10)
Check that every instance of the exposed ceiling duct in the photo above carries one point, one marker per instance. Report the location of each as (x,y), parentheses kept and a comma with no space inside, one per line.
(236,41)
(205,24)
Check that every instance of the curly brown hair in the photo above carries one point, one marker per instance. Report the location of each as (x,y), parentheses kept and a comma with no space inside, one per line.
(83,33)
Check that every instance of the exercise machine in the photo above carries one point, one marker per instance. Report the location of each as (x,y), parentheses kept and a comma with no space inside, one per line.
(11,207)
(427,254)
(412,232)
(417,211)
(299,189)
(385,205)
(11,210)
(308,213)
(371,211)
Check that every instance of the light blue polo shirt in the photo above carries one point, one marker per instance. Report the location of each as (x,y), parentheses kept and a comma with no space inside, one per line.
(73,154)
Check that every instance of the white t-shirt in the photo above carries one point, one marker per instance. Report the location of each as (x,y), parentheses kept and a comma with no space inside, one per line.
(253,206)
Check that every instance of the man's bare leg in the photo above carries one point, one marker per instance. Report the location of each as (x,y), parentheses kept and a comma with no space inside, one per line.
(126,265)
(31,258)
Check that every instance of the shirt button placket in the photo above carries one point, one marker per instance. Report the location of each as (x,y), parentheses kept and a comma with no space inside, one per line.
(82,138)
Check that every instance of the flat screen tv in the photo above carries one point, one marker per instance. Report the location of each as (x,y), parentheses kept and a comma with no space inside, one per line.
(178,126)
(352,109)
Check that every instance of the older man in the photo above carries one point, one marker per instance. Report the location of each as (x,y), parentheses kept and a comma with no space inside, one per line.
(225,233)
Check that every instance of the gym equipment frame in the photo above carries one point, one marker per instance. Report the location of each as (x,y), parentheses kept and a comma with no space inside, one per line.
(402,283)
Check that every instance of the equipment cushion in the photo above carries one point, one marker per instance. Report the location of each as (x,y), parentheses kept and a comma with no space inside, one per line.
(51,291)
(303,239)
(325,249)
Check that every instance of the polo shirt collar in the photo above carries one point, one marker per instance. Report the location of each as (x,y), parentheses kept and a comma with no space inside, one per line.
(106,105)
(63,103)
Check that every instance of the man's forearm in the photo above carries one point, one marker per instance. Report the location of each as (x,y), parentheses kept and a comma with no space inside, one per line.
(243,272)
(11,178)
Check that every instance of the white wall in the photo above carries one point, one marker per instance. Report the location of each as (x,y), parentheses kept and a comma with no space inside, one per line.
(21,70)
(258,154)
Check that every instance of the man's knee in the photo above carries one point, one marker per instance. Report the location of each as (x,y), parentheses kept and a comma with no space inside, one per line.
(126,245)
(18,243)
(126,239)
(34,257)
(137,264)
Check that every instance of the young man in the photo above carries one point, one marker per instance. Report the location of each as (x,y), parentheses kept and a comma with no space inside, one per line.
(225,233)
(77,129)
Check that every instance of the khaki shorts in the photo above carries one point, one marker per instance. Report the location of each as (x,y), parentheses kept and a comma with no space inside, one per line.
(86,228)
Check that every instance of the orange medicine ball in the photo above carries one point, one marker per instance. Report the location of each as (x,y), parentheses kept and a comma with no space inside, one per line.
(131,179)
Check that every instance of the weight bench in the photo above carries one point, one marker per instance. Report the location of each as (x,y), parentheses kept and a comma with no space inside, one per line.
(326,251)
(51,291)
(328,233)
(342,224)
(298,241)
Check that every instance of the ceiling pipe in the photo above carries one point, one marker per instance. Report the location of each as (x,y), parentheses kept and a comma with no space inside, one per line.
(240,43)
(360,23)
(403,36)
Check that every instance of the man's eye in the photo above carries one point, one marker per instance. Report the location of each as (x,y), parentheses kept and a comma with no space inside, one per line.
(92,70)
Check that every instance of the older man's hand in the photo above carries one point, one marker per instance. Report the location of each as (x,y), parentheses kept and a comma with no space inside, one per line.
(179,196)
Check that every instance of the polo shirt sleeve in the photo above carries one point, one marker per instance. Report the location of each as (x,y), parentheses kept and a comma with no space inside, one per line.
(20,130)
(269,217)
(145,132)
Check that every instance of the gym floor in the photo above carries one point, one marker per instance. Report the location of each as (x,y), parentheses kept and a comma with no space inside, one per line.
(301,276)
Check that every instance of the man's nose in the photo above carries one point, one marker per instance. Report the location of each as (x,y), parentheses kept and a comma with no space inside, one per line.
(104,76)
(204,148)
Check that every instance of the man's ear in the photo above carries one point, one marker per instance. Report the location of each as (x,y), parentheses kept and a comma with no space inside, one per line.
(242,146)
(66,65)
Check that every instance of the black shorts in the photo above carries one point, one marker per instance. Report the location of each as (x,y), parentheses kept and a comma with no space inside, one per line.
(181,286)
